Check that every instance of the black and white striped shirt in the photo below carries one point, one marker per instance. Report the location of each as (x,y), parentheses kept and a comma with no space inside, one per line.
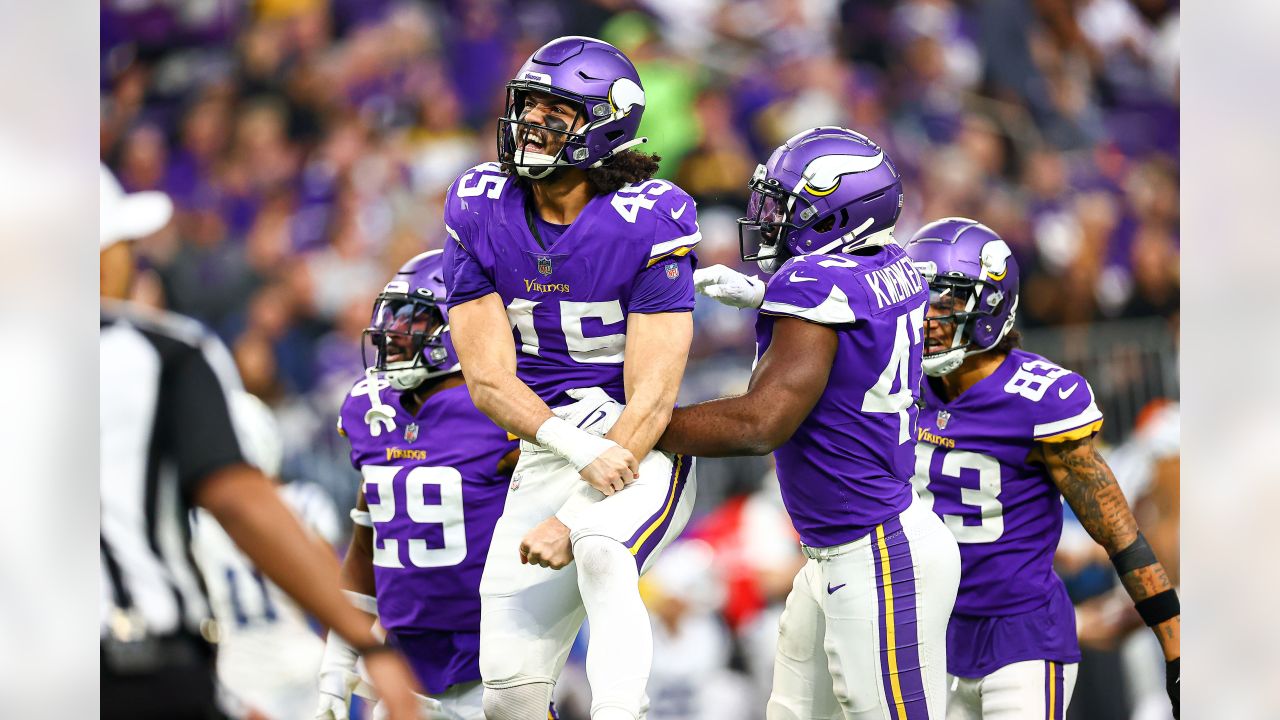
(164,426)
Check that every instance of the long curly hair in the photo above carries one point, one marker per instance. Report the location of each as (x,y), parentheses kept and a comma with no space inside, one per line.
(628,166)
(1011,340)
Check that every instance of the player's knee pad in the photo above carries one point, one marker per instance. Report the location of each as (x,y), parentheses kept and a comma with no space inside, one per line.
(522,702)
(600,558)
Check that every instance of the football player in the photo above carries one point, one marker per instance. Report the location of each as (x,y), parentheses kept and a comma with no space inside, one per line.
(1004,436)
(833,396)
(570,278)
(267,652)
(435,473)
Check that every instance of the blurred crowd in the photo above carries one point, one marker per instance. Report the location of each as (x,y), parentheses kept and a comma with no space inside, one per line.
(308,144)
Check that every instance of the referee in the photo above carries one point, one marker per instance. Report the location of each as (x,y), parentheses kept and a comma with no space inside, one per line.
(168,443)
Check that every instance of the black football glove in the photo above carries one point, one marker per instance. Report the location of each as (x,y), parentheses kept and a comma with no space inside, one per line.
(1172,671)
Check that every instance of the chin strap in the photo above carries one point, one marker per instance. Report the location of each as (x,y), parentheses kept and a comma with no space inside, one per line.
(624,146)
(940,365)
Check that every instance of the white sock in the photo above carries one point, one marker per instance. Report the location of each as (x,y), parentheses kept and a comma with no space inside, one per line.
(522,702)
(620,652)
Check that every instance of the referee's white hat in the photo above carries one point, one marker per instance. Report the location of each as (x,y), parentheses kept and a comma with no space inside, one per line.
(128,216)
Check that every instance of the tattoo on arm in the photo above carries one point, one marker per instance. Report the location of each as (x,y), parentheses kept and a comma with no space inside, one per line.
(1090,488)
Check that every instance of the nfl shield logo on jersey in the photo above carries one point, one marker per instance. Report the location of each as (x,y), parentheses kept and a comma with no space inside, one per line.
(673,271)
(544,265)
(411,432)
(943,418)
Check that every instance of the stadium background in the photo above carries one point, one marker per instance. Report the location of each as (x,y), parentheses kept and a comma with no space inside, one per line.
(308,145)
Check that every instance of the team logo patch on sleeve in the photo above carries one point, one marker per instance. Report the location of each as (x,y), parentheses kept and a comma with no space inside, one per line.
(673,271)
(943,418)
(544,265)
(411,432)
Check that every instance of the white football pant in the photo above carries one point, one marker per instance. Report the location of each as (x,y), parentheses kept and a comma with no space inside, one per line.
(530,615)
(864,632)
(1031,690)
(458,702)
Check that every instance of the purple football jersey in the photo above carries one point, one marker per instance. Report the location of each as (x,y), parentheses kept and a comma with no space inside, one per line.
(848,466)
(568,297)
(1006,513)
(434,495)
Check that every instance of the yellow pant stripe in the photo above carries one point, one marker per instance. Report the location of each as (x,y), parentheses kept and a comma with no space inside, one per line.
(891,640)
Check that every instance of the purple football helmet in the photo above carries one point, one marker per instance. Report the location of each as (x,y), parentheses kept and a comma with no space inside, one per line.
(598,82)
(409,332)
(825,190)
(972,273)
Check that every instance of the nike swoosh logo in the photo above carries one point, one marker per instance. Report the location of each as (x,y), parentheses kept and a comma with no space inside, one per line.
(797,277)
(591,419)
(675,214)
(1064,395)
(831,590)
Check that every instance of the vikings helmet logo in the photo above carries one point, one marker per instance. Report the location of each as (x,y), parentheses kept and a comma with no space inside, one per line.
(822,176)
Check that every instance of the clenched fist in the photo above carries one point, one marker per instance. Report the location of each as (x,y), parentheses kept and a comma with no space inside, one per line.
(547,545)
(612,470)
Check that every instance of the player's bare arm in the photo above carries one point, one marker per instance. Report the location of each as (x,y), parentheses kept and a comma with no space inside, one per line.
(357,566)
(1090,488)
(657,350)
(785,386)
(338,677)
(482,340)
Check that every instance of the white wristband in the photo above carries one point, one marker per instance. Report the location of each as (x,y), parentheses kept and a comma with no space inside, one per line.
(366,603)
(579,447)
(338,655)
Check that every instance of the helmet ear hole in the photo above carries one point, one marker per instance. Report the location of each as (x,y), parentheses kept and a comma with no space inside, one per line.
(844,218)
(825,225)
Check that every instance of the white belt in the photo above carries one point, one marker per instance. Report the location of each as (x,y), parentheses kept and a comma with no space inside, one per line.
(826,553)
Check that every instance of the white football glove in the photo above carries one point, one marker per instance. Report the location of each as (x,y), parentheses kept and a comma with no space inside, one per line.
(729,286)
(338,678)
(595,412)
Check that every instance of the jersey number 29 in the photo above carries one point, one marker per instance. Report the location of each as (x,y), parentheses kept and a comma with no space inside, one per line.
(447,513)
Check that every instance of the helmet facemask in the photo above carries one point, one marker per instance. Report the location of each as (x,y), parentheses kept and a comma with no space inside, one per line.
(762,234)
(406,338)
(534,149)
(960,301)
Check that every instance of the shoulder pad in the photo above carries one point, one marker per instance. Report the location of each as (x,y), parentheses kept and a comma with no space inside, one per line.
(1060,403)
(810,287)
(676,230)
(469,196)
(658,214)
